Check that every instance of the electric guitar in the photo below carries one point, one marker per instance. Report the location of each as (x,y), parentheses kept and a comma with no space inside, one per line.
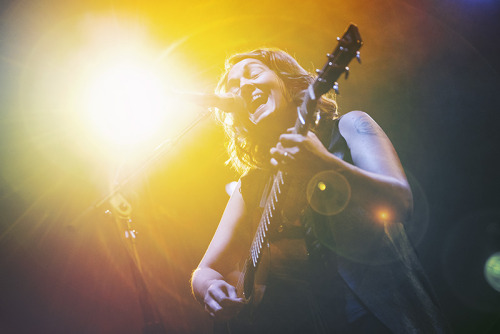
(251,282)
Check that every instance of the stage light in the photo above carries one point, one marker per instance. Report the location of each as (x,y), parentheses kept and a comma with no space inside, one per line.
(126,103)
(492,271)
(123,108)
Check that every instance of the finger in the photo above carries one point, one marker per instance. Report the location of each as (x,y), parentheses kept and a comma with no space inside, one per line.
(231,292)
(228,309)
(274,151)
(278,155)
(212,307)
(290,139)
(217,293)
(224,294)
(217,311)
(279,149)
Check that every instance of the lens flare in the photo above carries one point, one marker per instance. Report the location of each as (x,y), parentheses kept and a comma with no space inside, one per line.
(492,271)
(328,193)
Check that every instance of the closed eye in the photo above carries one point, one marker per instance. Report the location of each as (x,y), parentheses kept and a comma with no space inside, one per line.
(254,74)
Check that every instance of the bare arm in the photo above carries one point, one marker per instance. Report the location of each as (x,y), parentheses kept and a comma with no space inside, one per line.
(229,244)
(377,179)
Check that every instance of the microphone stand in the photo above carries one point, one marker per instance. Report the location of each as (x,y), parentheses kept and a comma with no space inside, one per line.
(121,211)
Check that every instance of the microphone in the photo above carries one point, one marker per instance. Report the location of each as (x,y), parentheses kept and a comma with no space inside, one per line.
(228,103)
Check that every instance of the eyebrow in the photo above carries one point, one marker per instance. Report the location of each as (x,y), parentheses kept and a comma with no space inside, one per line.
(230,82)
(245,69)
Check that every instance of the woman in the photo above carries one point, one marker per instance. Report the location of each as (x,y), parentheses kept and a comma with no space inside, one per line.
(334,267)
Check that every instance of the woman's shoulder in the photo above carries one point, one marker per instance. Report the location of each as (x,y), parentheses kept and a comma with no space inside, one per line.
(357,122)
(252,185)
(354,116)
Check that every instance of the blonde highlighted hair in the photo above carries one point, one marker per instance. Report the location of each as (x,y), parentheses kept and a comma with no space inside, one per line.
(244,151)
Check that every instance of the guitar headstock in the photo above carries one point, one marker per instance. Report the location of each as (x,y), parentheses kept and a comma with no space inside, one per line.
(347,48)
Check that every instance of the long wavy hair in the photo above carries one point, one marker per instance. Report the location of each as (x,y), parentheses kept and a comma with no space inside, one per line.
(245,151)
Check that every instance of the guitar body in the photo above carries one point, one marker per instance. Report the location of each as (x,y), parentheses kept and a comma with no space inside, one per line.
(254,281)
(252,293)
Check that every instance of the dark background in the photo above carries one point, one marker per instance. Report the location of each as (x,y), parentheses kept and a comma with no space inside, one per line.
(430,78)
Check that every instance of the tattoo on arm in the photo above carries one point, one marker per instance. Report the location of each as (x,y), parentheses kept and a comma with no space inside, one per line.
(364,126)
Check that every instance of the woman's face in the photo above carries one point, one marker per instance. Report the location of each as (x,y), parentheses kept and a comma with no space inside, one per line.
(263,91)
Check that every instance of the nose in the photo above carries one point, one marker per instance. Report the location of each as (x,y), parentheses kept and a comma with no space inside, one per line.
(246,88)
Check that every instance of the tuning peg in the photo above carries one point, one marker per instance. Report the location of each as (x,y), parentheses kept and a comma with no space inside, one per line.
(336,87)
(318,71)
(346,72)
(358,56)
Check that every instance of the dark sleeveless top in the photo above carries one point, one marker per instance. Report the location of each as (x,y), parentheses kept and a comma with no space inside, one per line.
(352,267)
(303,272)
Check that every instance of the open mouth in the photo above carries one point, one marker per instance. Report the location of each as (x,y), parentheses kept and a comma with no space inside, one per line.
(256,104)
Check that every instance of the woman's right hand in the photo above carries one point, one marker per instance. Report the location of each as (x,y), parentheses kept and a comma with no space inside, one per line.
(221,300)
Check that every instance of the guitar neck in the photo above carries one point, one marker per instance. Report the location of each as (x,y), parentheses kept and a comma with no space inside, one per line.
(272,208)
(271,213)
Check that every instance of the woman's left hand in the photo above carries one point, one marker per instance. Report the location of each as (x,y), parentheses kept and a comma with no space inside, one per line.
(298,154)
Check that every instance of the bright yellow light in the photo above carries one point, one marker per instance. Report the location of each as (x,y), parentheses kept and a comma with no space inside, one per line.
(384,215)
(321,186)
(94,91)
(126,102)
(121,78)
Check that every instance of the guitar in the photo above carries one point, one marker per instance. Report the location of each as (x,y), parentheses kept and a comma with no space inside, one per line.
(251,282)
